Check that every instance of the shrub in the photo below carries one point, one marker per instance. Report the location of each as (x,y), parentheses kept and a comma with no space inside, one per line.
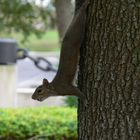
(71,101)
(38,123)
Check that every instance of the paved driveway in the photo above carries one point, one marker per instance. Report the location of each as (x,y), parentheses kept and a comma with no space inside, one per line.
(29,76)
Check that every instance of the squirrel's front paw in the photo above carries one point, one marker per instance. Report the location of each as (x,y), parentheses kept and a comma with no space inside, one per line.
(84,100)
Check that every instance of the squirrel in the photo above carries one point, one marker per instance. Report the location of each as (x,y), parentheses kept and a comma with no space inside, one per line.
(62,84)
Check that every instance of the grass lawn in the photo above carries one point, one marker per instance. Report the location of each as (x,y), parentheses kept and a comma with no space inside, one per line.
(48,42)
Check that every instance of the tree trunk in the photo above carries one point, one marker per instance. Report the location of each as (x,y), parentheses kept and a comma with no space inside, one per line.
(64,12)
(110,72)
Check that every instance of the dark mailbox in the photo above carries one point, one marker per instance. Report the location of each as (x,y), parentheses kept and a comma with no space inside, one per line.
(8,51)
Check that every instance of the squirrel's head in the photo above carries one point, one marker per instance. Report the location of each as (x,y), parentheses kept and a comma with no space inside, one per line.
(43,91)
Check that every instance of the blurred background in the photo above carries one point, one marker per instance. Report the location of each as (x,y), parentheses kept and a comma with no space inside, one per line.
(30,29)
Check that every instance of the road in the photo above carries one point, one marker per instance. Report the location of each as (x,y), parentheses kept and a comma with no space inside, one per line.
(29,76)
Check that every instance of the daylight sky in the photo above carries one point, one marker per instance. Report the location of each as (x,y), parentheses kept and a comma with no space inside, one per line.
(42,2)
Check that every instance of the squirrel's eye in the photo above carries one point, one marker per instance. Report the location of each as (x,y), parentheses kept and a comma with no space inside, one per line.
(39,90)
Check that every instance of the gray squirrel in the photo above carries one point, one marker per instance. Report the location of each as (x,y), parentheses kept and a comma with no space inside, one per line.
(62,84)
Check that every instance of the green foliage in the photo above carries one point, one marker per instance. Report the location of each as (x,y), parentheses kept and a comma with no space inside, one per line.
(71,101)
(21,16)
(40,123)
(48,41)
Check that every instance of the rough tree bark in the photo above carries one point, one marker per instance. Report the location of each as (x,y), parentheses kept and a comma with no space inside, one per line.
(64,13)
(110,72)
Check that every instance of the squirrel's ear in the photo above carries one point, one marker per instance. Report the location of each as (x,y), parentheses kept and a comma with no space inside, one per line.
(45,82)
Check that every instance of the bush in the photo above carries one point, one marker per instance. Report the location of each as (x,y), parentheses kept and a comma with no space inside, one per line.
(38,124)
(71,101)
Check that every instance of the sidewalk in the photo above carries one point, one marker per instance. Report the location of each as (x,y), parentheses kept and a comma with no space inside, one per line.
(29,76)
